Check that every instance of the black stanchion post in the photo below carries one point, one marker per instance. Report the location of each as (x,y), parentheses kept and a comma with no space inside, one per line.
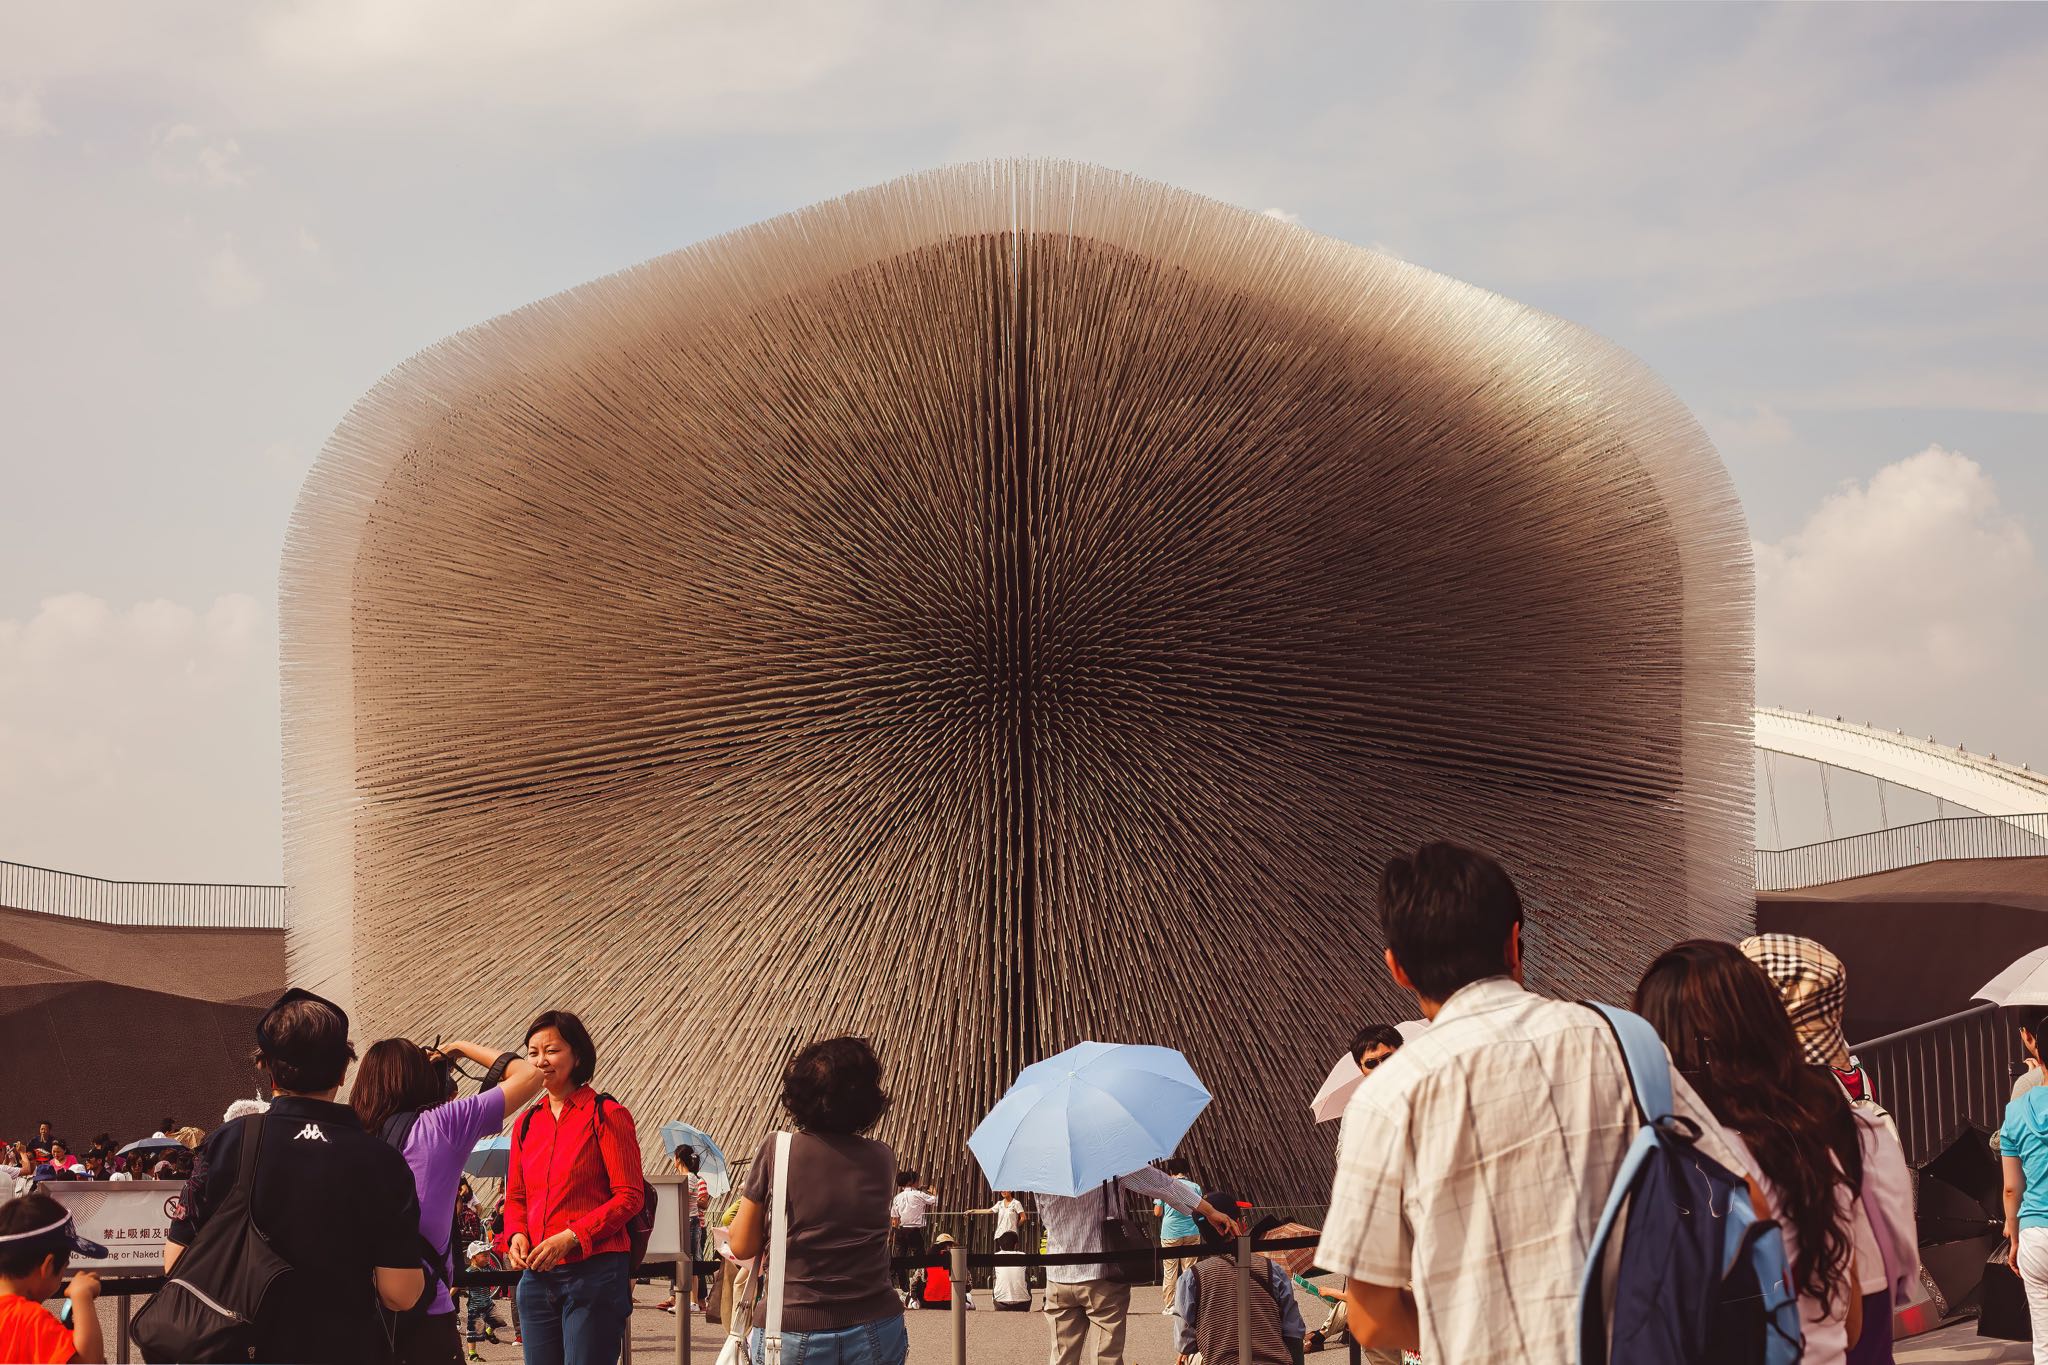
(1244,1298)
(958,1256)
(680,1284)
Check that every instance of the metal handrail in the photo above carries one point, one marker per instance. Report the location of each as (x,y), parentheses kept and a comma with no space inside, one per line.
(1938,1076)
(184,905)
(1887,850)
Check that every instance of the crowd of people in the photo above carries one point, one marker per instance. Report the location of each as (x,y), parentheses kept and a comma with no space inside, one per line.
(1475,1161)
(44,1156)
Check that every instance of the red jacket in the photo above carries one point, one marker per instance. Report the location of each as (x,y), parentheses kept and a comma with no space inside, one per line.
(573,1172)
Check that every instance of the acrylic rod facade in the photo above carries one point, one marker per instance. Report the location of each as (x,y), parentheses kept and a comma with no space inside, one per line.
(1015,604)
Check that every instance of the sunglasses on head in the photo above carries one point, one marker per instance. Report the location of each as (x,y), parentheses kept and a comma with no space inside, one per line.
(1370,1062)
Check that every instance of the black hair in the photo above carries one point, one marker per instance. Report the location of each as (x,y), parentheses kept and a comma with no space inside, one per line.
(1177,1167)
(1007,1242)
(1376,1035)
(1446,913)
(835,1086)
(309,1051)
(396,1077)
(2033,1021)
(905,1179)
(691,1162)
(167,1124)
(26,1214)
(575,1035)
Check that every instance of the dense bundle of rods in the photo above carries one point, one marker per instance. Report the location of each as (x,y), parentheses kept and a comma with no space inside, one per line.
(1013,605)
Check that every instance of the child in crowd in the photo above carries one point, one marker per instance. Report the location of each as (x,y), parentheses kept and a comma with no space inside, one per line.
(37,1239)
(484,1321)
(1013,1282)
(937,1291)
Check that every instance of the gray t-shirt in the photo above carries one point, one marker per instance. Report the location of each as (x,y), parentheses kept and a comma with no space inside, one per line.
(839,1192)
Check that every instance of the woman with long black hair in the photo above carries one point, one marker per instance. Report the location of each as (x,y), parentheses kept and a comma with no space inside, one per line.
(1727,1032)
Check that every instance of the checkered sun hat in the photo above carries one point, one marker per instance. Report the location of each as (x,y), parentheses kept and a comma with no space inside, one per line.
(1814,986)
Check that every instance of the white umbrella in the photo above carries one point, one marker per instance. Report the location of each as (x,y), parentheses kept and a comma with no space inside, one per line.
(2025,982)
(1345,1077)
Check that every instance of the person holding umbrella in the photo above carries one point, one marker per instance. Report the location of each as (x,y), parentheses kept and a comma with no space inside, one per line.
(1080,1129)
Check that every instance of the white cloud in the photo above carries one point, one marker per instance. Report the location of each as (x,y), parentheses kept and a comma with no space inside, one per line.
(229,283)
(1913,601)
(21,115)
(1283,215)
(141,741)
(183,155)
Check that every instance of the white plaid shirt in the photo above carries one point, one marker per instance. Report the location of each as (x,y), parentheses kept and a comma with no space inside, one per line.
(1474,1164)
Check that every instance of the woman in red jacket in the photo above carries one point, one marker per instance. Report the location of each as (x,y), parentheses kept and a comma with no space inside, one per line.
(572,1185)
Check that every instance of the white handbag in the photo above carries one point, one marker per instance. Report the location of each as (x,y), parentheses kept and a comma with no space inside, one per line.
(735,1350)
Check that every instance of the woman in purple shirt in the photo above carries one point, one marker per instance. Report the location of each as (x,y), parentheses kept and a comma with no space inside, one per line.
(405,1094)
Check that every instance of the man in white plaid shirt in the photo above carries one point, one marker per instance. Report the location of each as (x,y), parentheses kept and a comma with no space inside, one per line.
(1472,1170)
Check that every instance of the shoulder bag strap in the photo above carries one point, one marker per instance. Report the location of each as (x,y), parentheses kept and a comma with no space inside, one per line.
(1644,1058)
(778,1251)
(241,1199)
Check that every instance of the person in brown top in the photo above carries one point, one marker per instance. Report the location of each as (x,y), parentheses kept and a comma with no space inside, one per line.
(837,1301)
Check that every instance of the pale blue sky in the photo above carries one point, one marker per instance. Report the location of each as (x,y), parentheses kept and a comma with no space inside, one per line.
(1823,226)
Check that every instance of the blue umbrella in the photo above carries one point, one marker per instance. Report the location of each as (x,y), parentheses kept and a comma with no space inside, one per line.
(1095,1111)
(489,1158)
(711,1162)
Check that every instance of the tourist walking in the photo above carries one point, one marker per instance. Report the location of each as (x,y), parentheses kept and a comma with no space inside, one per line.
(1176,1229)
(838,1306)
(404,1094)
(572,1184)
(1813,985)
(1728,1033)
(335,1203)
(1205,1302)
(1078,1297)
(1475,1165)
(2023,1144)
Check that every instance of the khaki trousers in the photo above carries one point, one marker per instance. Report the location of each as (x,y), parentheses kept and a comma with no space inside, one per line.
(1175,1264)
(1072,1308)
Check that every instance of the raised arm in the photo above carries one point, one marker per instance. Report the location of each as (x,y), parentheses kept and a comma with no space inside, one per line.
(522,1081)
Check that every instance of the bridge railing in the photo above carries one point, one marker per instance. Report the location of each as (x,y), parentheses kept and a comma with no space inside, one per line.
(1937,1076)
(190,905)
(1887,850)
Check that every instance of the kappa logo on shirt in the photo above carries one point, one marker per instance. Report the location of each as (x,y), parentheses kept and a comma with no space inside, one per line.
(310,1133)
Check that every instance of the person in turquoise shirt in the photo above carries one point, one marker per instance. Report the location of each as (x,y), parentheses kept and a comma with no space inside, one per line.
(2023,1145)
(1176,1229)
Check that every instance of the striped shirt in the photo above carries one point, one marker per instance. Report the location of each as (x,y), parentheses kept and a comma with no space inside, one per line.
(1475,1164)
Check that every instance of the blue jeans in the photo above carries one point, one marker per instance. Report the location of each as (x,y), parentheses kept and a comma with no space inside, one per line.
(881,1342)
(576,1314)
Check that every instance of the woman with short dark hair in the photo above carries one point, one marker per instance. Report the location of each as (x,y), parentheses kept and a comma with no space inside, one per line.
(405,1094)
(837,1303)
(572,1185)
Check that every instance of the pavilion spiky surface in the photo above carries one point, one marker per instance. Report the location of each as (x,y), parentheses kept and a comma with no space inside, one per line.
(1015,604)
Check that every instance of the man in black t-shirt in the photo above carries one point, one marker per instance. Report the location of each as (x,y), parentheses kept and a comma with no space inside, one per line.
(336,1203)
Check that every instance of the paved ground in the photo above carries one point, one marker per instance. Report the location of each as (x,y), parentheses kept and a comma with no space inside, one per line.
(1021,1339)
(1961,1343)
(992,1338)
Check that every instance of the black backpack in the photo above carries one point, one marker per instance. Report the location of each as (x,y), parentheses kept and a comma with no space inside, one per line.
(434,1261)
(211,1304)
(641,1227)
